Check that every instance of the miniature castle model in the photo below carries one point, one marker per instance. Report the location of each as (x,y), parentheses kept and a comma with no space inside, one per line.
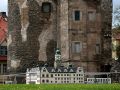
(51,75)
(60,74)
(57,74)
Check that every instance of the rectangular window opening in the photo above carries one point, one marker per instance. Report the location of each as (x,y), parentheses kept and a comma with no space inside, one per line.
(3,50)
(91,16)
(46,7)
(77,15)
(76,47)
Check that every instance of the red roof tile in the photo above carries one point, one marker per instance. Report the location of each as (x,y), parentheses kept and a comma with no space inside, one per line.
(3,29)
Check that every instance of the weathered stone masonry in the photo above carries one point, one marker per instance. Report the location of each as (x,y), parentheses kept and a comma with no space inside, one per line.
(34,35)
(40,28)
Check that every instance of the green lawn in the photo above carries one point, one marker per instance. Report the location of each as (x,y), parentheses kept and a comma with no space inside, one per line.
(61,87)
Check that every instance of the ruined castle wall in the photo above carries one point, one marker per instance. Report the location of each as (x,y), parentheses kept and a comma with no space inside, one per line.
(86,32)
(34,35)
(64,37)
(106,12)
(34,40)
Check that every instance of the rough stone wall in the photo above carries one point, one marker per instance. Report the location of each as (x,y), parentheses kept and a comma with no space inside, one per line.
(34,35)
(35,32)
(86,32)
(14,38)
(90,33)
(64,35)
(106,14)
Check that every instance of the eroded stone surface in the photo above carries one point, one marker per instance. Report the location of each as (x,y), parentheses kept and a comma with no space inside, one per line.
(34,35)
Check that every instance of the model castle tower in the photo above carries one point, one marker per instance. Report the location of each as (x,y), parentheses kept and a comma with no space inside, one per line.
(58,61)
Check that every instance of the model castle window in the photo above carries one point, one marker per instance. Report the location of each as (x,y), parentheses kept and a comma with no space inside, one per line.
(43,75)
(65,70)
(59,70)
(46,7)
(44,70)
(53,70)
(71,70)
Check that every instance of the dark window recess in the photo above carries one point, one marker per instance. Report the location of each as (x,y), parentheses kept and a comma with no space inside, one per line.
(47,75)
(44,70)
(4,68)
(47,81)
(3,50)
(51,75)
(43,81)
(46,7)
(0,68)
(97,48)
(77,15)
(43,75)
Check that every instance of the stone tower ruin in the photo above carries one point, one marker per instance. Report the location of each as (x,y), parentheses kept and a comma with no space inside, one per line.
(81,29)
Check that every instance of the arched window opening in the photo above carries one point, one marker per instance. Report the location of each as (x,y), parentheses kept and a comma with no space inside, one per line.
(43,81)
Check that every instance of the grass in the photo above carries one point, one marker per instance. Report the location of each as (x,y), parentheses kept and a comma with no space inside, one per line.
(61,87)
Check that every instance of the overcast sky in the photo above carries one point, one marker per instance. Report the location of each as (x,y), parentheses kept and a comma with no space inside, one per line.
(3,5)
(116,3)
